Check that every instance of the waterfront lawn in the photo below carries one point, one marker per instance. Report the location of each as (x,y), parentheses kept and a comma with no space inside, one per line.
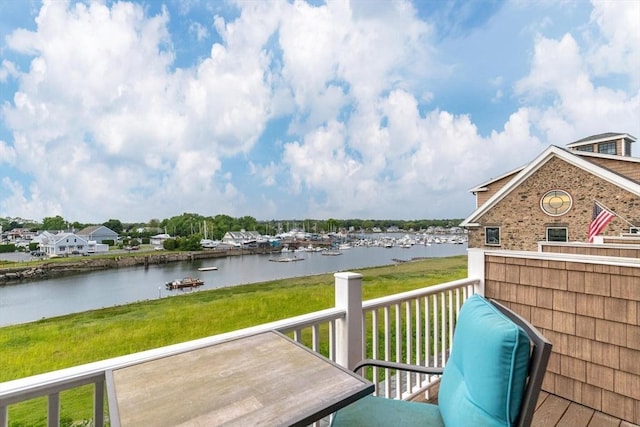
(65,341)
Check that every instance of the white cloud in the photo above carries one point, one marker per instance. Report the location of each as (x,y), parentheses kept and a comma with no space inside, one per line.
(102,114)
(618,51)
(7,153)
(201,32)
(578,106)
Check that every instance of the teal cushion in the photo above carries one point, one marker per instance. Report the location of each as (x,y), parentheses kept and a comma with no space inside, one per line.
(484,379)
(375,411)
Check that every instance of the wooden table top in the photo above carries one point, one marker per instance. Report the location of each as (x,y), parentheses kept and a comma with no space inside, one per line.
(264,379)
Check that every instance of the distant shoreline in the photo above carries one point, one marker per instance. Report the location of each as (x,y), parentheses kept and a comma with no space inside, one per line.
(60,267)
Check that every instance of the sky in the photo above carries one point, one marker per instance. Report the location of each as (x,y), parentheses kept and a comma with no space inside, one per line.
(370,109)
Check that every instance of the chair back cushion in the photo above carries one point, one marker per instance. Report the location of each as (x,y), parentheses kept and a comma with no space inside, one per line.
(485,377)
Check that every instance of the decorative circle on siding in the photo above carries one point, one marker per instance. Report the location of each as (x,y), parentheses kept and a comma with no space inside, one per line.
(556,202)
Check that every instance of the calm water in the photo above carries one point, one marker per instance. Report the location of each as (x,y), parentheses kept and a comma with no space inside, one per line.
(31,301)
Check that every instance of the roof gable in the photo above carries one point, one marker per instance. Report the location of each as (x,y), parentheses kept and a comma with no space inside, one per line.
(543,158)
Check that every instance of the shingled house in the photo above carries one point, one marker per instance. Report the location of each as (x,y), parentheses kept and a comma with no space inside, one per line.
(553,197)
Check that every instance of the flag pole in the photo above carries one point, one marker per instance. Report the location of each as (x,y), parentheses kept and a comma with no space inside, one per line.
(613,212)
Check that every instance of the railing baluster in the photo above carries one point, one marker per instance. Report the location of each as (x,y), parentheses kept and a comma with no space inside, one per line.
(98,403)
(53,410)
(4,416)
(332,341)
(418,355)
(315,338)
(436,335)
(443,325)
(398,334)
(408,324)
(387,350)
(375,342)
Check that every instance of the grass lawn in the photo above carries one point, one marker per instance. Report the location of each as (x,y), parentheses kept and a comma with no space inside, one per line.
(65,341)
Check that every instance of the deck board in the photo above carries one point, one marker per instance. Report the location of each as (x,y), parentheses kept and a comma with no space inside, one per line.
(555,411)
(576,415)
(550,412)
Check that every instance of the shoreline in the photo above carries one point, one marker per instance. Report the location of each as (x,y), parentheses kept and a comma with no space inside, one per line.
(48,269)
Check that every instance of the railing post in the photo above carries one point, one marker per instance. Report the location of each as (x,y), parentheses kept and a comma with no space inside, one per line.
(475,268)
(349,340)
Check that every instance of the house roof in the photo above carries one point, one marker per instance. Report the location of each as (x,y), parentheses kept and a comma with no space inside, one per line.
(484,185)
(87,231)
(551,152)
(61,236)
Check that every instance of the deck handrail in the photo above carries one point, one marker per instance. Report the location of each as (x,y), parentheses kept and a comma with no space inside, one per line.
(417,293)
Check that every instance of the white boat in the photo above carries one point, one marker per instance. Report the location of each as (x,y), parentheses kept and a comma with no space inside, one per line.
(207,268)
(332,252)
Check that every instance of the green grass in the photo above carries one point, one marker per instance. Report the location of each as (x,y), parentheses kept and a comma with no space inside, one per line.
(76,339)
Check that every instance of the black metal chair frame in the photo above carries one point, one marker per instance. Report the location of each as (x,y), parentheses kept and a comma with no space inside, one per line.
(541,351)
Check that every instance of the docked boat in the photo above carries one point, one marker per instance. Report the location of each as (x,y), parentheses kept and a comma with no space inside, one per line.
(187,282)
(332,252)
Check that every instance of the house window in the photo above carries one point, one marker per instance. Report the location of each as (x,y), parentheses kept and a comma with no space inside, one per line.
(556,202)
(492,236)
(607,148)
(588,148)
(557,234)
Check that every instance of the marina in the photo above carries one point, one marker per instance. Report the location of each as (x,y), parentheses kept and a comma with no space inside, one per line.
(34,300)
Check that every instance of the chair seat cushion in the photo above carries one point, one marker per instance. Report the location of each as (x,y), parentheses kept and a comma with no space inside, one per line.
(484,379)
(373,411)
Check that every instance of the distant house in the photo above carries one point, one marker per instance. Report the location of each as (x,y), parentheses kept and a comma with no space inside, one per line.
(19,236)
(98,234)
(158,239)
(62,244)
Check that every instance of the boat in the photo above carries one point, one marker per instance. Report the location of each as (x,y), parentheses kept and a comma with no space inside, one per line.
(332,252)
(287,259)
(187,282)
(207,268)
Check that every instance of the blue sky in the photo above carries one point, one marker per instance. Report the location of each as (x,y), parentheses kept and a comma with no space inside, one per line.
(298,109)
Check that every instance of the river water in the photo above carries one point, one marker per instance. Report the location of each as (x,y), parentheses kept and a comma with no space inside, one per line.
(26,302)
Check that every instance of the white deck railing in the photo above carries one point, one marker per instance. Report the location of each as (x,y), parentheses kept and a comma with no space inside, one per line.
(416,327)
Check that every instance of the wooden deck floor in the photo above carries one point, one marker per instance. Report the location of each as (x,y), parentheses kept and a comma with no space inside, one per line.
(556,411)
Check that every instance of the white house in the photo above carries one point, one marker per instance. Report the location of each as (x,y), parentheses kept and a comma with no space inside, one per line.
(62,244)
(158,239)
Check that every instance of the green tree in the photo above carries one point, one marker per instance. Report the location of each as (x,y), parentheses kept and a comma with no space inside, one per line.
(54,223)
(114,225)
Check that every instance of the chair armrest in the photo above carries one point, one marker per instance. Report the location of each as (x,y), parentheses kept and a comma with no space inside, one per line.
(399,366)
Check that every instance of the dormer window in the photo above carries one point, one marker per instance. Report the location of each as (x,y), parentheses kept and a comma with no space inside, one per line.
(607,147)
(588,148)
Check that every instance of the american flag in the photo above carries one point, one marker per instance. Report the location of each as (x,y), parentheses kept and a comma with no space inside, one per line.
(601,217)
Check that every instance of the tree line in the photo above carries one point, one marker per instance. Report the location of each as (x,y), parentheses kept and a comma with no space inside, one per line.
(195,226)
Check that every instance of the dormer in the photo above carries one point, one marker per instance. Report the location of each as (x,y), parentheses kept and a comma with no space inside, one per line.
(617,144)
